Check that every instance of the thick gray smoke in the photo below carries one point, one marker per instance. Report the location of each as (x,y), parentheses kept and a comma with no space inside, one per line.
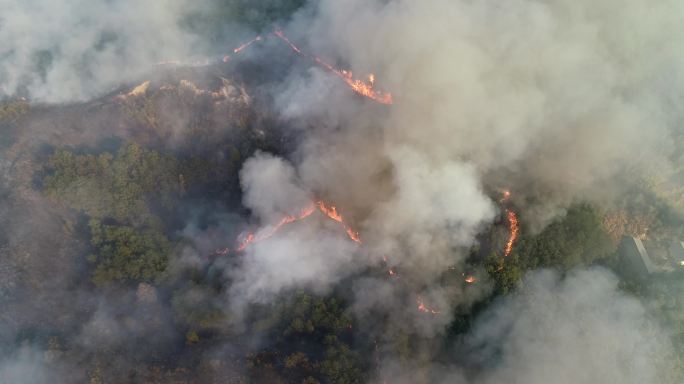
(555,100)
(63,51)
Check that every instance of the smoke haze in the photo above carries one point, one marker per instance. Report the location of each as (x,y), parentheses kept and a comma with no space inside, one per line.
(557,101)
(64,51)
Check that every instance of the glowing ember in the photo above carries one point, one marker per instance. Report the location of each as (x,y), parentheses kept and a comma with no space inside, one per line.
(247,44)
(424,308)
(354,236)
(513,222)
(470,279)
(284,38)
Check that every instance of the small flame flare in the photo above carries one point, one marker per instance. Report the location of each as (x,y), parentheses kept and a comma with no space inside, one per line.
(247,44)
(513,225)
(424,308)
(470,279)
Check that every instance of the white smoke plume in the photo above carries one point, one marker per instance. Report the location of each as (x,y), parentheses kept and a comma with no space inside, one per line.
(65,51)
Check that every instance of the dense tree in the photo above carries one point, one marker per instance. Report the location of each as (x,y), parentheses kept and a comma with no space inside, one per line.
(577,239)
(123,187)
(127,254)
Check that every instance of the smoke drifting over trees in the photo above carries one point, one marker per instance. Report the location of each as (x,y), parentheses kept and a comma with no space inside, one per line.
(123,208)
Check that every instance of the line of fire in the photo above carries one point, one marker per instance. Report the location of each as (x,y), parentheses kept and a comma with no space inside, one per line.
(331,212)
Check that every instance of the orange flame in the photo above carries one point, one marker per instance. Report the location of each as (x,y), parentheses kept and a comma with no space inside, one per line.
(359,86)
(424,308)
(253,238)
(513,222)
(354,236)
(470,279)
(331,212)
(328,210)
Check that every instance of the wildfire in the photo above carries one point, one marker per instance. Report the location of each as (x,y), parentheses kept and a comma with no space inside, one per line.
(251,238)
(331,212)
(247,44)
(354,236)
(364,88)
(328,210)
(424,308)
(513,223)
(284,38)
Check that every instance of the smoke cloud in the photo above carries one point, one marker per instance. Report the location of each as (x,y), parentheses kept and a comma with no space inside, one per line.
(65,51)
(578,329)
(557,101)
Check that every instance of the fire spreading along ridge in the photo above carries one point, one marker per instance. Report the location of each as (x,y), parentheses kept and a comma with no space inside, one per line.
(328,210)
(364,88)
